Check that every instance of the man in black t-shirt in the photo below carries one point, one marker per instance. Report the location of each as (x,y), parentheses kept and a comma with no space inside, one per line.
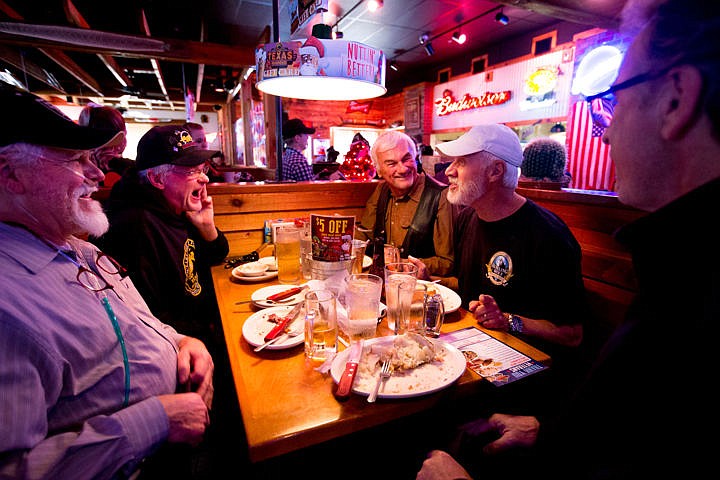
(518,266)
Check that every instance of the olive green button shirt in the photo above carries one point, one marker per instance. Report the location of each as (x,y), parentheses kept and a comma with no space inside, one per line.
(398,218)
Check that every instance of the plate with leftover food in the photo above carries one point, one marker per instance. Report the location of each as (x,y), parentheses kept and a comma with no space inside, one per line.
(267,275)
(260,323)
(420,366)
(259,296)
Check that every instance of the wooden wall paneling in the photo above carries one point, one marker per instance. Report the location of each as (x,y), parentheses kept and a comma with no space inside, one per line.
(241,210)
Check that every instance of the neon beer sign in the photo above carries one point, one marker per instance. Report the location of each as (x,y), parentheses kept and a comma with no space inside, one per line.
(448,104)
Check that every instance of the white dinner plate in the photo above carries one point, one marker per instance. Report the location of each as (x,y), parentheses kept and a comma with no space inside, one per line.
(270,262)
(257,326)
(259,278)
(423,380)
(258,296)
(451,300)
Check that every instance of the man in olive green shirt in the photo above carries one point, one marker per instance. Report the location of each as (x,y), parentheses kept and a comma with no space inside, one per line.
(409,209)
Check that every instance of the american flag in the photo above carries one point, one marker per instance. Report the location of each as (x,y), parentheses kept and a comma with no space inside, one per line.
(589,160)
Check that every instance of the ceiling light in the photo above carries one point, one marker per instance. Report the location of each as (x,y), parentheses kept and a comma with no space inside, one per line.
(294,70)
(394,66)
(374,5)
(429,48)
(459,37)
(423,38)
(502,18)
(337,34)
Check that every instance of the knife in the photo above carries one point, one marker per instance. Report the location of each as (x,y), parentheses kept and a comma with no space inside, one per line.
(285,294)
(348,376)
(280,327)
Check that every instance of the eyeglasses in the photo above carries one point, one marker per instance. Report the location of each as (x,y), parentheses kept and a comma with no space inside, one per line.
(80,157)
(602,105)
(192,173)
(92,281)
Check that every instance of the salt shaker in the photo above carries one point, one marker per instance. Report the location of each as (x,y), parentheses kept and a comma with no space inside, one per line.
(434,315)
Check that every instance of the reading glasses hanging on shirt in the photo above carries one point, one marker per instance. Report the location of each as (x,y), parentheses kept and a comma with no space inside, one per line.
(91,280)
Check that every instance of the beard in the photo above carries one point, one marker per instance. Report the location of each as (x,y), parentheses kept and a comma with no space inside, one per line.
(466,193)
(88,216)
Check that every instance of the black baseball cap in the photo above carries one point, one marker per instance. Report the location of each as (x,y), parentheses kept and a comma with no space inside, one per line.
(295,126)
(30,119)
(170,144)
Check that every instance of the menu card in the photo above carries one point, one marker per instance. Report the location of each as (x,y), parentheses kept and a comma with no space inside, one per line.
(332,237)
(490,358)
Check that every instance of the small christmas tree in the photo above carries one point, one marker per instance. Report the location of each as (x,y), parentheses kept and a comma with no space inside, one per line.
(358,165)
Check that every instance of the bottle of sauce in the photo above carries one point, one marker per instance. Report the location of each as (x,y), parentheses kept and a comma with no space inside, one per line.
(378,264)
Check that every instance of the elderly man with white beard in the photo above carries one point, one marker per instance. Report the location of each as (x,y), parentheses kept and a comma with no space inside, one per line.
(518,266)
(89,378)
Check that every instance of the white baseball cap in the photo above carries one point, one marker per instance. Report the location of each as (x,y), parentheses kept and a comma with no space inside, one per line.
(499,140)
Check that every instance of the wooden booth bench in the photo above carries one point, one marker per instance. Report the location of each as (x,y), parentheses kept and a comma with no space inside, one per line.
(593,217)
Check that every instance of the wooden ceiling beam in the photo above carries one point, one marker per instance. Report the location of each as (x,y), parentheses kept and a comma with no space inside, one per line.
(16,59)
(76,18)
(171,50)
(155,64)
(574,15)
(57,56)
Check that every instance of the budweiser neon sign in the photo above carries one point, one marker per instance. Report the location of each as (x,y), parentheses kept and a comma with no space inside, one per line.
(448,104)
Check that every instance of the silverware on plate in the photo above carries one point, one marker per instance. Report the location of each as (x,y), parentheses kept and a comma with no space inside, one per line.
(385,373)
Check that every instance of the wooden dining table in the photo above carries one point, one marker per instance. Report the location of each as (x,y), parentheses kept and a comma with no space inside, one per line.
(287,405)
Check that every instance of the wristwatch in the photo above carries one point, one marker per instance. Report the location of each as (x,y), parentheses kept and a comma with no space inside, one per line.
(515,323)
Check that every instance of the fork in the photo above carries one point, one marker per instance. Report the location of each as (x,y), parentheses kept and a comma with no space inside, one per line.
(385,373)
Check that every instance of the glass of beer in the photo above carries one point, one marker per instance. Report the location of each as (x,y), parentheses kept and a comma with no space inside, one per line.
(321,330)
(287,253)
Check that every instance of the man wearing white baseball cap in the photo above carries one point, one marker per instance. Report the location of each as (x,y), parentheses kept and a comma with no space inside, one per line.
(517,265)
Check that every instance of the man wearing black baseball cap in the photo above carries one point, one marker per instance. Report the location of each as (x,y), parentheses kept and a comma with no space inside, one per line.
(294,164)
(162,229)
(88,373)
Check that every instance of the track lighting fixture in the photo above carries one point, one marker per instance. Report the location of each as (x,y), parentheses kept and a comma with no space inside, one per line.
(423,38)
(394,66)
(459,38)
(502,18)
(429,48)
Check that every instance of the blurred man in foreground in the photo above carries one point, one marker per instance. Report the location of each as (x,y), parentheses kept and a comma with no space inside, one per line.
(643,411)
(90,379)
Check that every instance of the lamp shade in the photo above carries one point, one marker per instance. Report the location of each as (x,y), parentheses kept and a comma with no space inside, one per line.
(320,69)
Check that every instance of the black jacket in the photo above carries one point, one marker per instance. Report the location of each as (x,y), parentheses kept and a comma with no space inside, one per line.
(166,257)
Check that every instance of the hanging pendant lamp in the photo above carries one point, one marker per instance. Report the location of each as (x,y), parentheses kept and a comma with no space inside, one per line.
(319,68)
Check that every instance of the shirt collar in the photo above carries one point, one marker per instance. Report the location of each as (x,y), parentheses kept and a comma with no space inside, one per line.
(25,248)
